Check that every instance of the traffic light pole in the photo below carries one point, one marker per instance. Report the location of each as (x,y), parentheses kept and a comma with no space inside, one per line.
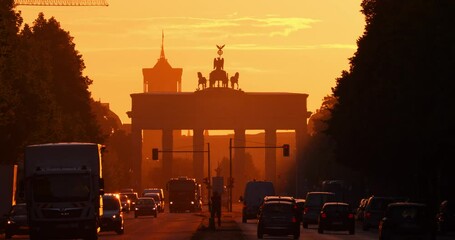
(285,148)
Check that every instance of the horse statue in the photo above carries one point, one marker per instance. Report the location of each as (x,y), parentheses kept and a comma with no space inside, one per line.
(225,81)
(217,75)
(235,80)
(202,80)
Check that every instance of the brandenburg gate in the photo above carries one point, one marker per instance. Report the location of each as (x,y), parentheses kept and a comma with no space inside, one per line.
(218,106)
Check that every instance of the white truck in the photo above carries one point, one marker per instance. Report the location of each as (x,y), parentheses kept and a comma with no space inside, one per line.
(63,190)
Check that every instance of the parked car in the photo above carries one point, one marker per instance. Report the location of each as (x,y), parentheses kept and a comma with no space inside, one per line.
(253,196)
(126,203)
(145,206)
(313,205)
(16,221)
(375,210)
(336,216)
(278,218)
(407,220)
(112,218)
(360,209)
(445,217)
(132,196)
(158,201)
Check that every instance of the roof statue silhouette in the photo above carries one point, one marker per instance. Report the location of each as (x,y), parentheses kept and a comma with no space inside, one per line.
(218,74)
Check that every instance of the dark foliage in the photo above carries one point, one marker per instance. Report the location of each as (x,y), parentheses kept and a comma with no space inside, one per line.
(44,95)
(393,120)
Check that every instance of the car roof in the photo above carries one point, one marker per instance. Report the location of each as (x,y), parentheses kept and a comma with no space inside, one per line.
(278,202)
(153,194)
(146,198)
(330,193)
(284,198)
(336,204)
(414,204)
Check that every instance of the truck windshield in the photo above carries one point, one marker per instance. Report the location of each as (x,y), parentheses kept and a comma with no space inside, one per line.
(61,188)
(181,186)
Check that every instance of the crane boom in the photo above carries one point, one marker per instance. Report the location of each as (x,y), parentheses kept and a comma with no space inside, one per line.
(62,2)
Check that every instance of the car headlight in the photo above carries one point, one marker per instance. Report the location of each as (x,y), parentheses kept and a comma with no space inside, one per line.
(136,209)
(9,222)
(192,202)
(114,216)
(171,202)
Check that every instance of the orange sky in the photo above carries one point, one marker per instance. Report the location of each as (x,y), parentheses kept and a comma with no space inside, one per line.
(298,46)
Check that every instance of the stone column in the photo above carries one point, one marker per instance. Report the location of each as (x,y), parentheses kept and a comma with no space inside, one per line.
(168,145)
(301,138)
(136,157)
(198,155)
(270,155)
(238,163)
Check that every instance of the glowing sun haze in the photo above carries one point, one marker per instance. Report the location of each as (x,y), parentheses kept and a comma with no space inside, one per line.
(298,46)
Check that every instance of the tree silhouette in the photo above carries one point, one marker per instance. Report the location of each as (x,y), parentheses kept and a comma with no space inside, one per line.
(44,95)
(393,117)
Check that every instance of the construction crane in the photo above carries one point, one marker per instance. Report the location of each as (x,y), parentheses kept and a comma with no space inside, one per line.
(62,2)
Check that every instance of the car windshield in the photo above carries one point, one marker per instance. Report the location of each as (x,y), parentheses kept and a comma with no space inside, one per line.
(145,202)
(110,204)
(336,208)
(61,188)
(319,199)
(408,213)
(132,196)
(277,209)
(380,203)
(154,196)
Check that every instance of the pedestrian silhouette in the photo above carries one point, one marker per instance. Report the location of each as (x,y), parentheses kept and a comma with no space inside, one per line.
(216,207)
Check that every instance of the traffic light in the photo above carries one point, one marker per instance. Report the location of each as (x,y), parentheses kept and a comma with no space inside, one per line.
(286,150)
(155,154)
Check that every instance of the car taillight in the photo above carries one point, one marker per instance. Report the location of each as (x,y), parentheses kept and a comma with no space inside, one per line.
(350,215)
(305,210)
(323,215)
(294,219)
(367,215)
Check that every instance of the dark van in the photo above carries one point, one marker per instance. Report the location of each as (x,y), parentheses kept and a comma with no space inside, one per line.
(253,196)
(313,205)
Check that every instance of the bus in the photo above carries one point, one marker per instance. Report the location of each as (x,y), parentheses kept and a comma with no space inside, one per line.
(184,195)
